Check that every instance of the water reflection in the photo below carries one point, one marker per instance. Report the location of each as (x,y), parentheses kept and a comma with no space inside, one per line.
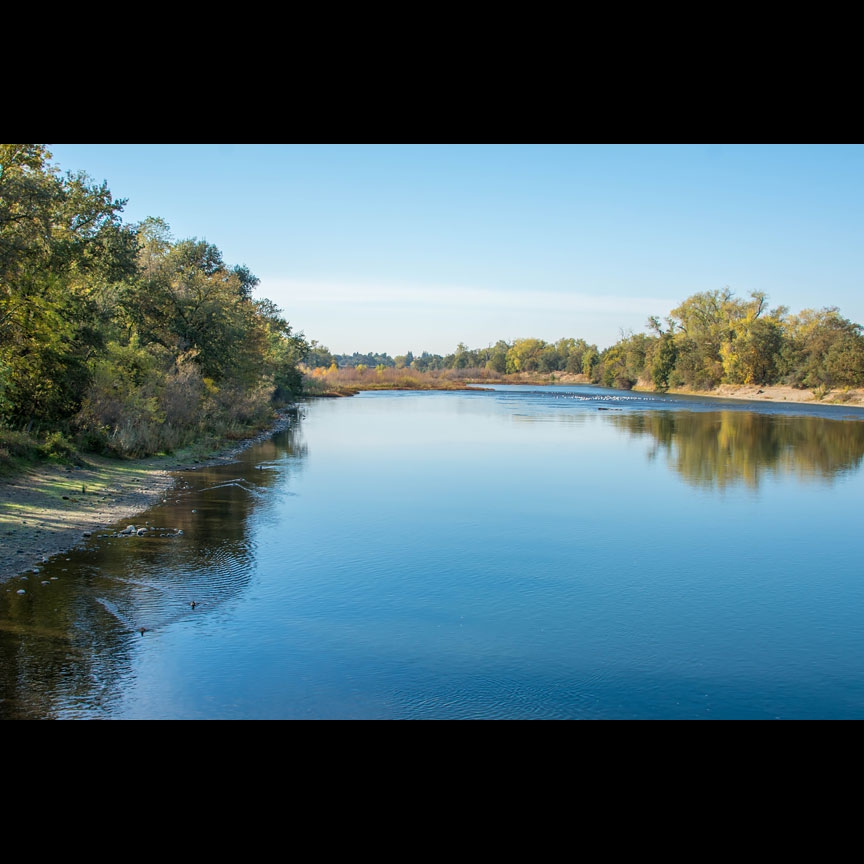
(67,644)
(720,449)
(435,556)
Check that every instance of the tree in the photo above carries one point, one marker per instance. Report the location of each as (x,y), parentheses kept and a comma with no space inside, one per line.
(823,349)
(665,358)
(590,362)
(571,353)
(190,302)
(497,358)
(462,358)
(525,355)
(318,356)
(702,326)
(63,254)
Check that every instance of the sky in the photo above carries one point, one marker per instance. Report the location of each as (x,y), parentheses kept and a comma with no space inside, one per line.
(393,248)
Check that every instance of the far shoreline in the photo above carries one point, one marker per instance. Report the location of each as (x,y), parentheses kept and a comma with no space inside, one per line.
(349,383)
(779,394)
(773,393)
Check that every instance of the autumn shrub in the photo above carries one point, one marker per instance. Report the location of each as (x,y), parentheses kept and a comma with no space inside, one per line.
(240,406)
(182,396)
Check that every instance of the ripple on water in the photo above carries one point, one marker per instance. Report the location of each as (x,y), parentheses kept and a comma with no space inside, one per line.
(505,698)
(160,593)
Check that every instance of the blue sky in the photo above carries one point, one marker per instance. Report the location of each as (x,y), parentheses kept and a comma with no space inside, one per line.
(418,247)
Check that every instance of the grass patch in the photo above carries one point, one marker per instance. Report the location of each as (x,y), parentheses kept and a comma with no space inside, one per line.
(17,451)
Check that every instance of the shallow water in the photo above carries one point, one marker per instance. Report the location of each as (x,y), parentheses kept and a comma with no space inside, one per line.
(518,553)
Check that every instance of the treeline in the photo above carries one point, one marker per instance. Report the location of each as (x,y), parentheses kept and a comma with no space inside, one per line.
(503,358)
(120,338)
(712,338)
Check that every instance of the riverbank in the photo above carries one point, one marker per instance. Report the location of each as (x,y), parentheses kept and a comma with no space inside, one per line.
(744,392)
(48,509)
(778,393)
(350,382)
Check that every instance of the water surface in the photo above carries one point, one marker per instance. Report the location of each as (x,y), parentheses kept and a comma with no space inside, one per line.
(515,553)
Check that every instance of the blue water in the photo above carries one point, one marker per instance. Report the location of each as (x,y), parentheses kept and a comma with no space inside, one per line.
(510,553)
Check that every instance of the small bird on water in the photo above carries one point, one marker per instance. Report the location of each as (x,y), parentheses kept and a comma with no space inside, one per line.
(193,604)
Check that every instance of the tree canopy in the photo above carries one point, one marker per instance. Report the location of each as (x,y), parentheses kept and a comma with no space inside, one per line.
(121,334)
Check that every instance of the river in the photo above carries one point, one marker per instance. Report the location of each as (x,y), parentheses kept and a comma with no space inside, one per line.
(517,553)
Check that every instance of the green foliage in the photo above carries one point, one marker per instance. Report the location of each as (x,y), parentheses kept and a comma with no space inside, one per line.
(5,373)
(525,356)
(712,338)
(823,349)
(719,339)
(56,447)
(751,356)
(62,251)
(572,354)
(702,326)
(131,339)
(665,358)
(590,362)
(496,360)
(844,362)
(318,357)
(614,369)
(16,446)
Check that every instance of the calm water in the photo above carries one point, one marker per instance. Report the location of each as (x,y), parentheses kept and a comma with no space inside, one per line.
(521,553)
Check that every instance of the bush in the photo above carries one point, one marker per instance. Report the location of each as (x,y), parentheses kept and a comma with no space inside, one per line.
(17,445)
(57,447)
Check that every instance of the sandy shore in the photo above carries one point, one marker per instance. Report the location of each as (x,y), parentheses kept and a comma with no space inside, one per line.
(50,509)
(749,393)
(848,398)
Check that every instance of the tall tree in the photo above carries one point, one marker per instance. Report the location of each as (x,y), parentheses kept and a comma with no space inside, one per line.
(751,353)
(702,327)
(63,252)
(824,349)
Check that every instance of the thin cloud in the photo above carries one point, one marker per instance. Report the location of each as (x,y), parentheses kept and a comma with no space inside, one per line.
(311,292)
(347,316)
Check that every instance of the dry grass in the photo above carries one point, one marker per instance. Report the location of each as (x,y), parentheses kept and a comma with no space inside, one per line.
(349,382)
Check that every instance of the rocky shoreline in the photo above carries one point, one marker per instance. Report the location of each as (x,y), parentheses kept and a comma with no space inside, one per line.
(51,509)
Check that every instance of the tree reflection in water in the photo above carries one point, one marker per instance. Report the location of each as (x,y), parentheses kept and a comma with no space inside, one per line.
(725,448)
(70,639)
